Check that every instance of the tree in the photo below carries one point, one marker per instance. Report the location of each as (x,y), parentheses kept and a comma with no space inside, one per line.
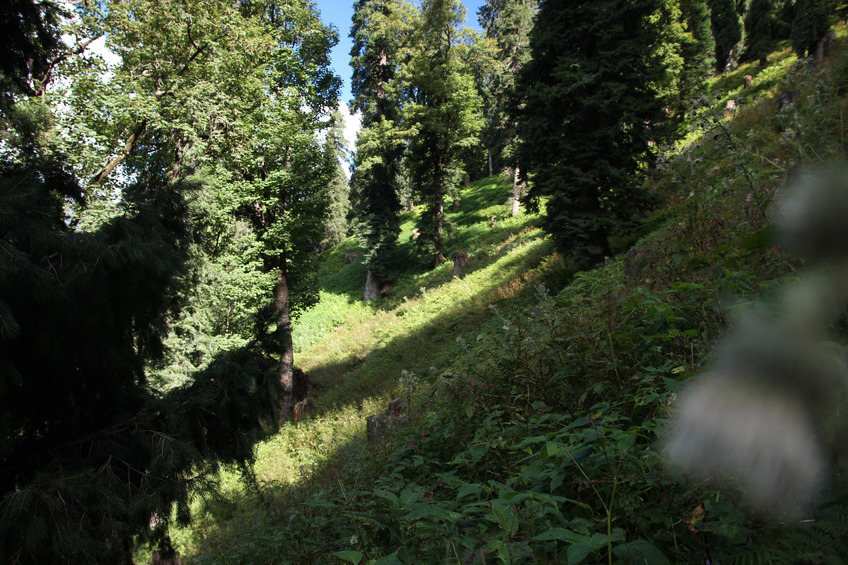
(587,97)
(763,28)
(699,50)
(727,31)
(236,94)
(509,24)
(338,191)
(442,114)
(381,31)
(812,19)
(88,452)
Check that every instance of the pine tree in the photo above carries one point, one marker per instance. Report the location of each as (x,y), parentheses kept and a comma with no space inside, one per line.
(338,191)
(763,29)
(699,52)
(812,19)
(587,95)
(379,28)
(442,113)
(727,31)
(509,24)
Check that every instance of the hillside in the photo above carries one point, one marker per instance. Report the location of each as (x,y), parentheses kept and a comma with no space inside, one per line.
(535,395)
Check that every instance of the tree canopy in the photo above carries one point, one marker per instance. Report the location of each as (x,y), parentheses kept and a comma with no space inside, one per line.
(210,116)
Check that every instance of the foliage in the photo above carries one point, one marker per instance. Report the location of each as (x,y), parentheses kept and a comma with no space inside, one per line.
(727,31)
(89,452)
(442,114)
(763,28)
(699,52)
(586,97)
(812,19)
(509,25)
(380,31)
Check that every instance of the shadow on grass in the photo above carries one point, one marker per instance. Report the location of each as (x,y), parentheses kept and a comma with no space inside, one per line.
(285,525)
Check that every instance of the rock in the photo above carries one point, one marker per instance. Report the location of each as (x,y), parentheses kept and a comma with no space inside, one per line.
(460,259)
(372,287)
(635,262)
(379,427)
(786,99)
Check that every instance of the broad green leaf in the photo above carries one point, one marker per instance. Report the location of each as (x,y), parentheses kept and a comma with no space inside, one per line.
(559,534)
(349,555)
(640,551)
(467,489)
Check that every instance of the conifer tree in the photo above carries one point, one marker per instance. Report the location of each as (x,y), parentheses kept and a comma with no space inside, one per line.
(764,28)
(442,114)
(88,453)
(338,191)
(727,30)
(699,51)
(379,31)
(812,19)
(509,24)
(236,94)
(592,87)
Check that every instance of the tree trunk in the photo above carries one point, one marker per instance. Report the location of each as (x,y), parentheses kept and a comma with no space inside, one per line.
(516,193)
(491,168)
(440,213)
(372,287)
(281,295)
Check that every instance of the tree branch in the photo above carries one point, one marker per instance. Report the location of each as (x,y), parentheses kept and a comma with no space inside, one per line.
(107,170)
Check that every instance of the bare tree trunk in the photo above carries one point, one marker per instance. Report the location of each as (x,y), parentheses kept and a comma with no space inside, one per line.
(516,193)
(281,295)
(372,287)
(491,167)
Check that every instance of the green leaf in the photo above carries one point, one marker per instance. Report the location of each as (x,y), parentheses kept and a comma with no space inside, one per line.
(391,559)
(577,552)
(506,517)
(555,449)
(349,555)
(467,489)
(640,551)
(559,534)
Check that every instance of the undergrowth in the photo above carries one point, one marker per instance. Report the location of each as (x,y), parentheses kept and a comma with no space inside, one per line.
(536,397)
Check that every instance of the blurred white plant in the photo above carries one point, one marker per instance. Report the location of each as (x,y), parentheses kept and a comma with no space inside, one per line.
(758,418)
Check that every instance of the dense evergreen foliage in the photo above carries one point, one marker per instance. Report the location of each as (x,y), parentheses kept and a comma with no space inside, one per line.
(590,107)
(102,282)
(509,25)
(442,114)
(764,26)
(727,32)
(812,19)
(380,30)
(89,453)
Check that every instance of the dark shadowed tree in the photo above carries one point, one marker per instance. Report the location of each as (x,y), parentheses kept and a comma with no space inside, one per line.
(508,23)
(591,103)
(88,452)
(812,19)
(727,31)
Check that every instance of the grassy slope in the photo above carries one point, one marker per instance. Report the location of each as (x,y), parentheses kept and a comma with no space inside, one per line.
(719,186)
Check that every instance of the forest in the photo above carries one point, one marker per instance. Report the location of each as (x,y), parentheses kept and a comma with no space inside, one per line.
(579,298)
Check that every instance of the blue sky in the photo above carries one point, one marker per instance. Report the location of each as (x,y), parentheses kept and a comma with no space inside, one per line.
(339,12)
